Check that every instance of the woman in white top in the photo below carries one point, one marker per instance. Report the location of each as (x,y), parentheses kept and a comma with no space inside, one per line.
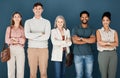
(107,41)
(60,37)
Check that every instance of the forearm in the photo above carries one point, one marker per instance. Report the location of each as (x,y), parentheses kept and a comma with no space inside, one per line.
(89,40)
(32,35)
(21,40)
(108,44)
(45,35)
(8,41)
(114,44)
(79,42)
(42,38)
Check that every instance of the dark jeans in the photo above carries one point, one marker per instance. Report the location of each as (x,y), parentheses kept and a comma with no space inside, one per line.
(60,67)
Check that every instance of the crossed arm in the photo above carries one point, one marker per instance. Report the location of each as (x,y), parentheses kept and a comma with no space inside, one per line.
(107,44)
(79,40)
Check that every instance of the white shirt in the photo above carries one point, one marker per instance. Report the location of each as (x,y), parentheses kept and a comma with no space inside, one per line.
(58,44)
(107,36)
(34,29)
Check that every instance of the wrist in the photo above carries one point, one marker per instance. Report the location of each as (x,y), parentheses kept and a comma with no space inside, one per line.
(108,43)
(81,38)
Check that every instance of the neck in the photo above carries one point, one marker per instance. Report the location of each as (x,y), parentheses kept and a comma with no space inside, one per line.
(84,25)
(37,17)
(106,28)
(61,29)
(16,25)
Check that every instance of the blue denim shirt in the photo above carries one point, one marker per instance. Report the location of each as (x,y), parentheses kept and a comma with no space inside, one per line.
(83,49)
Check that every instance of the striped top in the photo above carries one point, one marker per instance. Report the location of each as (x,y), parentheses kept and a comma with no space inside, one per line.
(106,36)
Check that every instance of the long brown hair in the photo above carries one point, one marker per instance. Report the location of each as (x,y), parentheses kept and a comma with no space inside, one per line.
(12,21)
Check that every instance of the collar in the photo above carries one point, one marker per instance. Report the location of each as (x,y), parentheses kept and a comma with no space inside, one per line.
(80,26)
(104,29)
(38,19)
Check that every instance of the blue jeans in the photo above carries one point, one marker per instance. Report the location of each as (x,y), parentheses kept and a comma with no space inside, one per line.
(80,62)
(60,67)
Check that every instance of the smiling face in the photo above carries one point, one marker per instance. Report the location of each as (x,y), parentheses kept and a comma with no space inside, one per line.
(60,23)
(38,10)
(84,18)
(16,18)
(106,21)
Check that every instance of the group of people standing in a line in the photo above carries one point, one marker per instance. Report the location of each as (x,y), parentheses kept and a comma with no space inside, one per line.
(38,30)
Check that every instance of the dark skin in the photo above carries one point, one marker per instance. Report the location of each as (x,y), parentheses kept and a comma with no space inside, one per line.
(78,40)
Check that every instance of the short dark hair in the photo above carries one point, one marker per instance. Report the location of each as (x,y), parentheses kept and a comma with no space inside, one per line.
(84,12)
(106,14)
(37,4)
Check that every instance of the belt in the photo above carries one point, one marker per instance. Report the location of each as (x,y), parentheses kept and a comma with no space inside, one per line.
(110,50)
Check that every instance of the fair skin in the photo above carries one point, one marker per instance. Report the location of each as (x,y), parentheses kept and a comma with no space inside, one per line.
(37,13)
(16,18)
(106,22)
(60,23)
(78,40)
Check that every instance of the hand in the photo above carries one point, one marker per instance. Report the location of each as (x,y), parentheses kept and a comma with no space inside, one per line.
(14,41)
(83,39)
(55,38)
(77,38)
(67,40)
(43,33)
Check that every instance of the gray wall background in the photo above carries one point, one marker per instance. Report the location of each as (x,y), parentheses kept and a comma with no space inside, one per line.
(70,9)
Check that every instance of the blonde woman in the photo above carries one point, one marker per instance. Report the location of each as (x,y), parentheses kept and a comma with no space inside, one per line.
(60,37)
(15,38)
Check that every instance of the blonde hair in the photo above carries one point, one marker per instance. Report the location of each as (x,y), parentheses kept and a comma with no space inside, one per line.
(61,17)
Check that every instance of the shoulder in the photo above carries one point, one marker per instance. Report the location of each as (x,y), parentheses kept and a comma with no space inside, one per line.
(21,27)
(46,20)
(29,20)
(53,30)
(76,27)
(100,29)
(113,30)
(67,30)
(9,27)
(91,28)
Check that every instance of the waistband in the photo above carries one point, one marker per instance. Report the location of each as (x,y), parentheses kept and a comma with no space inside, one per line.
(108,50)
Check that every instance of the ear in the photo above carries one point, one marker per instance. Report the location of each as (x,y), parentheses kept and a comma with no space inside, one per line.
(33,9)
(42,10)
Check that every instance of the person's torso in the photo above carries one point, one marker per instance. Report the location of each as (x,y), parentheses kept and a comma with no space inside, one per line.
(38,26)
(83,49)
(106,37)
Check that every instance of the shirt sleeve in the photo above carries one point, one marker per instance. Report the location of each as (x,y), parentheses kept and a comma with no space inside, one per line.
(93,32)
(56,41)
(29,34)
(7,36)
(68,36)
(73,32)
